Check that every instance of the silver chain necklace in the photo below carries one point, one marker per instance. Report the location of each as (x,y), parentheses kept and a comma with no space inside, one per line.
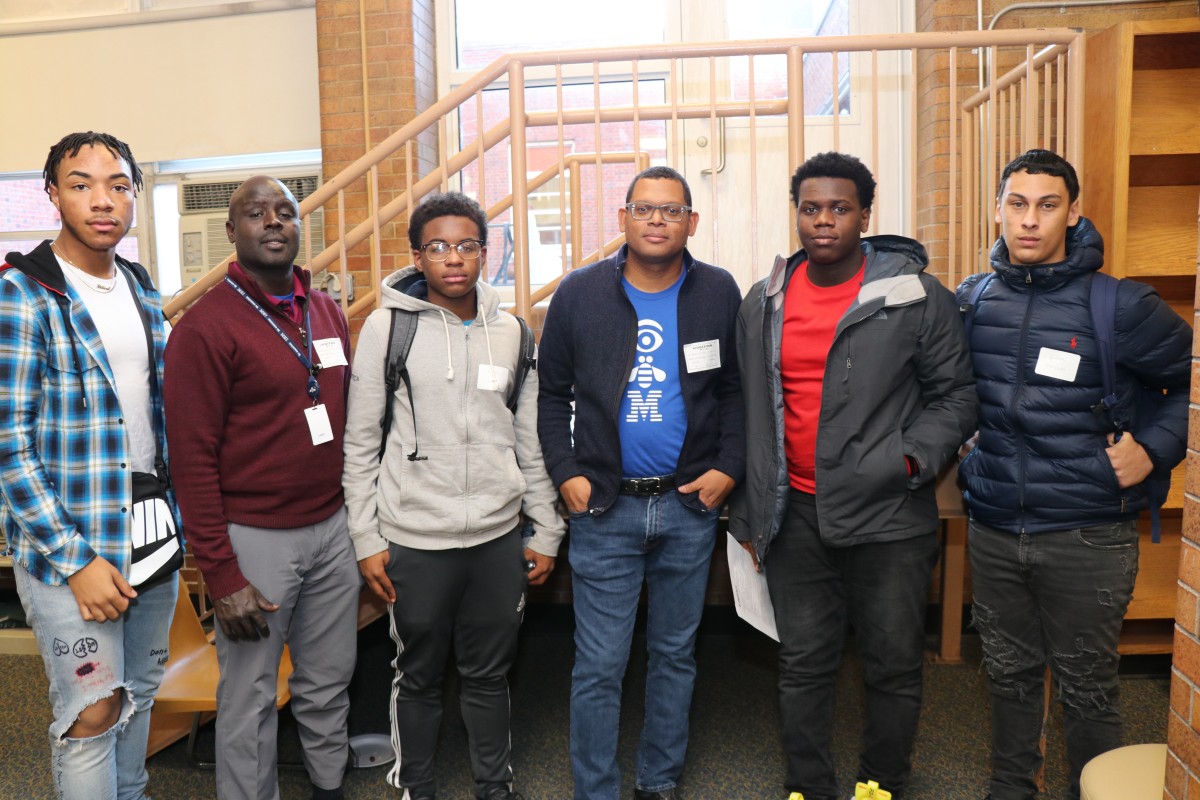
(91,281)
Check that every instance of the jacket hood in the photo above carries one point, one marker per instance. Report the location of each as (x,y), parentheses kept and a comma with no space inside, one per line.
(42,265)
(887,257)
(1085,253)
(407,289)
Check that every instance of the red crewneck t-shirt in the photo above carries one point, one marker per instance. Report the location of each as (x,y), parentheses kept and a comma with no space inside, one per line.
(810,316)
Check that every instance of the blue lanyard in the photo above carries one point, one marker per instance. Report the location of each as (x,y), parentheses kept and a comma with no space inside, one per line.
(314,388)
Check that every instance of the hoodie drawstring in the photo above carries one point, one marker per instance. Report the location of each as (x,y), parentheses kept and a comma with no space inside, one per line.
(449,357)
(415,455)
(488,338)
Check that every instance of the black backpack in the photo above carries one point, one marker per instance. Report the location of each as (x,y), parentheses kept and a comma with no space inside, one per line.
(400,339)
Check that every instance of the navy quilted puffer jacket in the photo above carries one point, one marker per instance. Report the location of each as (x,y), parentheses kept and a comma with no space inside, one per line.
(1040,463)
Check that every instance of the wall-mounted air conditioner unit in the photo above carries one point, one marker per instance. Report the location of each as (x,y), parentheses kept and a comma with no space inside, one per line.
(203,209)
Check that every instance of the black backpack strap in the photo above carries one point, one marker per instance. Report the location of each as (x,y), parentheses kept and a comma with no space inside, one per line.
(968,311)
(526,360)
(1102,299)
(400,338)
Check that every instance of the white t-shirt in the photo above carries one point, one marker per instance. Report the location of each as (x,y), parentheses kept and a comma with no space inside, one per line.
(124,337)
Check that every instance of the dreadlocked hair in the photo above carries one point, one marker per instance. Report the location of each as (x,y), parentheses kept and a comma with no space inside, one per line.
(69,146)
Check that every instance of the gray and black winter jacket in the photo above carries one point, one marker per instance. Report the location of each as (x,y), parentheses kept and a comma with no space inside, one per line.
(897,383)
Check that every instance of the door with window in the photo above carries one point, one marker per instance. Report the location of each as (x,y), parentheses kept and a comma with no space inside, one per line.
(743,196)
(740,192)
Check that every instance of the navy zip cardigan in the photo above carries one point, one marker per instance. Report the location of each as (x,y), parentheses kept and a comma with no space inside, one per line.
(587,353)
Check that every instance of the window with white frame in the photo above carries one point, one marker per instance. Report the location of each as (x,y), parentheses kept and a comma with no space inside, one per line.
(15,11)
(27,217)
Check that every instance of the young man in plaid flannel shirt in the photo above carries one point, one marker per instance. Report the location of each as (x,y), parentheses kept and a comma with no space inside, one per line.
(81,412)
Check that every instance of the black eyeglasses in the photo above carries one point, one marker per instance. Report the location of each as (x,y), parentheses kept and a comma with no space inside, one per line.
(437,250)
(671,212)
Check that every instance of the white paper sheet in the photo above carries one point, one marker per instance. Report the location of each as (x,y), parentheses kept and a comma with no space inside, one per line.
(750,596)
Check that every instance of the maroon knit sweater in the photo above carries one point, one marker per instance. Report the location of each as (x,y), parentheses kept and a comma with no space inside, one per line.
(240,447)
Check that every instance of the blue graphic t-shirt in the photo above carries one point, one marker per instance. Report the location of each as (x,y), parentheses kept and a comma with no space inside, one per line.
(652,421)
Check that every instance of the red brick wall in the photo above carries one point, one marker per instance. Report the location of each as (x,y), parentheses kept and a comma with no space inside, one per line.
(401,81)
(1183,727)
(25,206)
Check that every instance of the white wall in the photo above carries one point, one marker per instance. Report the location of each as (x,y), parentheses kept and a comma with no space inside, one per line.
(213,87)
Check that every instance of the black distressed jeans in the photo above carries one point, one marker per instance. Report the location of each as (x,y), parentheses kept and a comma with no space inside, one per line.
(1052,599)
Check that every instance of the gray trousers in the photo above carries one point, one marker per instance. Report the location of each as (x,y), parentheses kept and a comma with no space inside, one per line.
(312,574)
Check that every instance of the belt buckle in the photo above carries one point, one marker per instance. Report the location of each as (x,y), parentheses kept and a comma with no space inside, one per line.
(650,485)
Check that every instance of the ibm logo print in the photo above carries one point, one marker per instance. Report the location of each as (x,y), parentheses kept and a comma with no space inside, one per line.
(643,401)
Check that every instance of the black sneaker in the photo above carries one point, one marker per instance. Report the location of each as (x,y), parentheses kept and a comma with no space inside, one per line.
(665,794)
(502,793)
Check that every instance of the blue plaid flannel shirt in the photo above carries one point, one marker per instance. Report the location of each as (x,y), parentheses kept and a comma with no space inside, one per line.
(64,454)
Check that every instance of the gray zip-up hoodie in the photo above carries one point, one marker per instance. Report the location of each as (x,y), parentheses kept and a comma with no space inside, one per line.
(480,465)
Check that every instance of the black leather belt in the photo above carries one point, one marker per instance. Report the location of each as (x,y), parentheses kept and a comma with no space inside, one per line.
(644,487)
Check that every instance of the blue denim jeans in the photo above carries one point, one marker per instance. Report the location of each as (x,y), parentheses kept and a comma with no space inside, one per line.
(88,661)
(1052,599)
(817,591)
(670,546)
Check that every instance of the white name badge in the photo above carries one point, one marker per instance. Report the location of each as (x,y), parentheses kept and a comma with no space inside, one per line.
(492,378)
(702,356)
(318,424)
(1057,364)
(330,353)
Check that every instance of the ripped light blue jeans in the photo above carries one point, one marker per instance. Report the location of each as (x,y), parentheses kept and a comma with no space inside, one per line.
(1052,599)
(88,661)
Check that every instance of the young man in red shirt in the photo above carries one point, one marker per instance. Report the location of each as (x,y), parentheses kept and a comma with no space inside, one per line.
(858,390)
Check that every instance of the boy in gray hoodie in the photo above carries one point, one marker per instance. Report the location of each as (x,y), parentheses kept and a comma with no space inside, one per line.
(436,516)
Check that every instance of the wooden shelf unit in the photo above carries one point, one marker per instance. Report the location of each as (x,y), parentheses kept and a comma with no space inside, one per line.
(1141,187)
(1141,169)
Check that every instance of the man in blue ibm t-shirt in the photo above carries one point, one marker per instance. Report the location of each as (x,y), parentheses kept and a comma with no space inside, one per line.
(642,344)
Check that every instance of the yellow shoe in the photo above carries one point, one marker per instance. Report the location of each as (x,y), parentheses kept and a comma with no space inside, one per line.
(871,791)
(795,796)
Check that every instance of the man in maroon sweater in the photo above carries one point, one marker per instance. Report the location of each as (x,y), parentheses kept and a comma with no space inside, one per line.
(255,389)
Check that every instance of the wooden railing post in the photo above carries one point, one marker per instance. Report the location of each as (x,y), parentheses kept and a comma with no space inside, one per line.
(1075,62)
(520,208)
(795,108)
